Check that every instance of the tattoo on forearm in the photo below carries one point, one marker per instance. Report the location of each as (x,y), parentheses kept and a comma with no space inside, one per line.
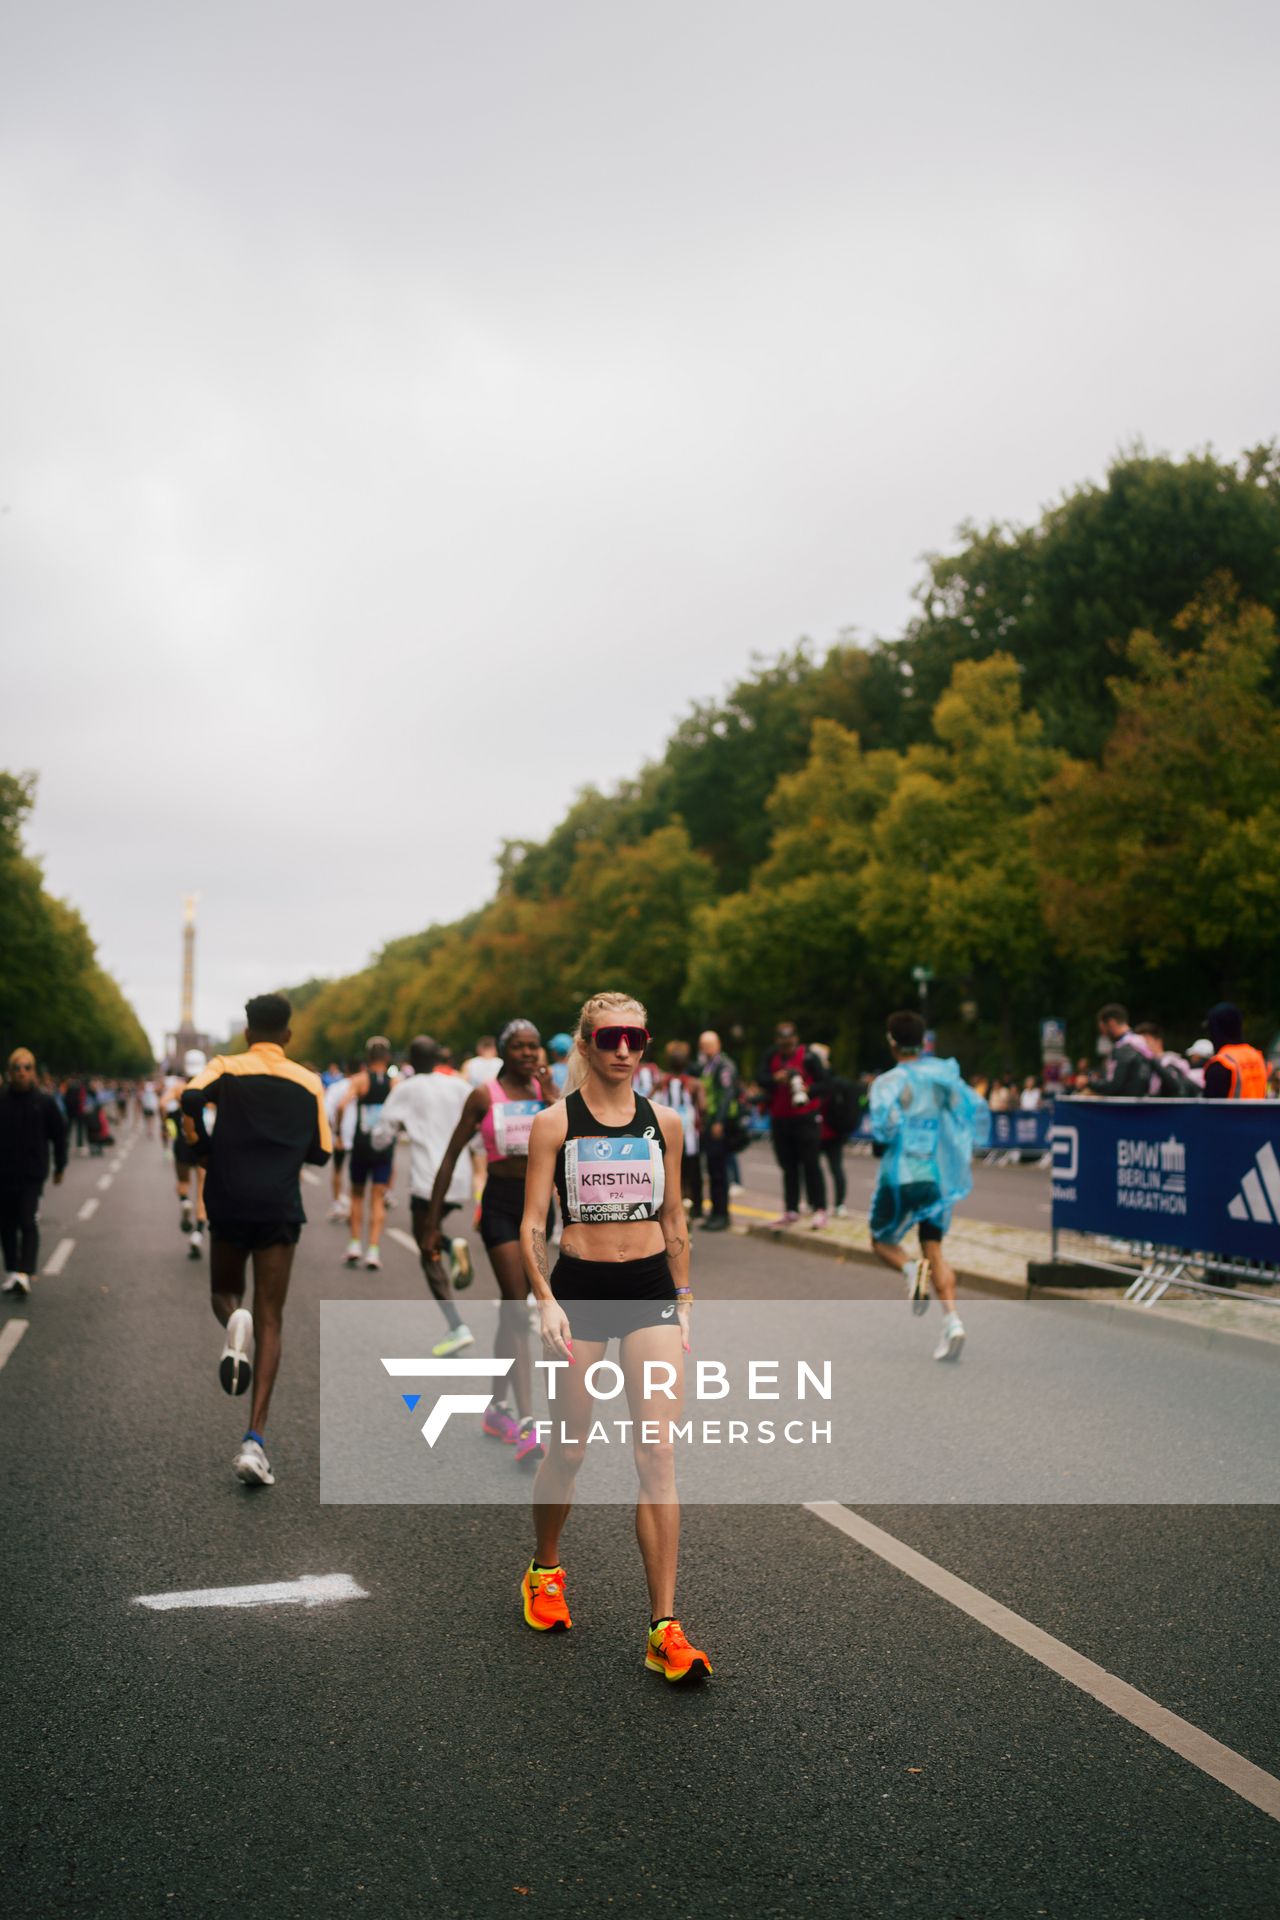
(676,1244)
(540,1252)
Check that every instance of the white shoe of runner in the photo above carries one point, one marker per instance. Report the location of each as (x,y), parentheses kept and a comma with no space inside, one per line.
(18,1283)
(195,1245)
(916,1276)
(948,1348)
(373,1260)
(235,1368)
(351,1257)
(252,1466)
(453,1342)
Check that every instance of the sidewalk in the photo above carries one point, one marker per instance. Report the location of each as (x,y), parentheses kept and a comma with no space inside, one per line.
(993,1259)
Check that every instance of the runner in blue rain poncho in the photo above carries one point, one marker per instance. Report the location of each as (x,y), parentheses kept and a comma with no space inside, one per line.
(928,1121)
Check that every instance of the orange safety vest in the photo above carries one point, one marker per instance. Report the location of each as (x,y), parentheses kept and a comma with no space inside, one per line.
(1247,1068)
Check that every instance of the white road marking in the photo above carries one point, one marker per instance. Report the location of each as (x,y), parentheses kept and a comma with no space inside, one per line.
(10,1334)
(402,1238)
(1221,1763)
(312,1590)
(311,1177)
(117,1166)
(88,1210)
(58,1259)
(104,1182)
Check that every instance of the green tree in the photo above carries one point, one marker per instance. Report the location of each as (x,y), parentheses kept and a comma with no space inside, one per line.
(1169,849)
(54,997)
(793,942)
(952,881)
(726,758)
(1063,596)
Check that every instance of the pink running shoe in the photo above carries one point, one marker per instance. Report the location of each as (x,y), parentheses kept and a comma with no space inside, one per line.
(785,1220)
(501,1425)
(529,1449)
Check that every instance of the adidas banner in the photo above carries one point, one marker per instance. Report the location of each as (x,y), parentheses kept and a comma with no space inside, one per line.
(1200,1175)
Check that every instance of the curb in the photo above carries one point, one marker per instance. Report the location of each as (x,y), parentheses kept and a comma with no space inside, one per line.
(1154,1318)
(861,1257)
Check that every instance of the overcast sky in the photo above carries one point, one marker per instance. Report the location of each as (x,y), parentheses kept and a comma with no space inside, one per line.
(408,409)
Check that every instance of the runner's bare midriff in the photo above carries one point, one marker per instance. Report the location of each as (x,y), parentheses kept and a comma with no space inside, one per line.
(621,1241)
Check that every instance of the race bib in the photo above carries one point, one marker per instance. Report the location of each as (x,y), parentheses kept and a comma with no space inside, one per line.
(369,1117)
(512,1125)
(613,1179)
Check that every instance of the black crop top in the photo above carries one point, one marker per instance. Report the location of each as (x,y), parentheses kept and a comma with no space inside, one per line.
(610,1175)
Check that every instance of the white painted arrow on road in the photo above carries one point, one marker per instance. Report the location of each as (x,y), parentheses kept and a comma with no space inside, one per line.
(312,1590)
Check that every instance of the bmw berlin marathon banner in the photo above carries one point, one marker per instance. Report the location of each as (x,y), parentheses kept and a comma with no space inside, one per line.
(782,1401)
(1201,1176)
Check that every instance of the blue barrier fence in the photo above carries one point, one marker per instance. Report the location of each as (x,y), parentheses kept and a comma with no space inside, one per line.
(1010,1132)
(1202,1175)
(1031,1132)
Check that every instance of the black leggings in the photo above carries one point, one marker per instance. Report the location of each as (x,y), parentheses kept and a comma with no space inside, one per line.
(691,1182)
(436,1273)
(18,1230)
(796,1144)
(833,1154)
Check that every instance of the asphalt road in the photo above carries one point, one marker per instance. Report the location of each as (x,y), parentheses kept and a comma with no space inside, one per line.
(865,1747)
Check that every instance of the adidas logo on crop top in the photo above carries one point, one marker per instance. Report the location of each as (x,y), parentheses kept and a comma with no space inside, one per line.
(606,1175)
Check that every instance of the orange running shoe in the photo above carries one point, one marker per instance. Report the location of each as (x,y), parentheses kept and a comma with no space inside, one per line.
(670,1654)
(545,1607)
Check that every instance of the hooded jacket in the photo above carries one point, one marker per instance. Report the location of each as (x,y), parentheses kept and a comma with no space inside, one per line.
(30,1123)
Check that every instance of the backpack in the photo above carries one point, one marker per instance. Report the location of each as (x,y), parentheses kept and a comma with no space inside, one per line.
(843,1108)
(1175,1082)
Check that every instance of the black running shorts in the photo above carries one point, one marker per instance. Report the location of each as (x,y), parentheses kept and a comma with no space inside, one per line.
(607,1299)
(502,1210)
(252,1235)
(362,1171)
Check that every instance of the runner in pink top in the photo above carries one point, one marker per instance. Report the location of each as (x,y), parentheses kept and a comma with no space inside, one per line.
(506,1125)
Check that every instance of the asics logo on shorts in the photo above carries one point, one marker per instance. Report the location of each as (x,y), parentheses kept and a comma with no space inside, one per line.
(667,1312)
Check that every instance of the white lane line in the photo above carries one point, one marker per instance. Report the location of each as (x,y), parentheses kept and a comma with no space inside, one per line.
(10,1334)
(58,1259)
(88,1210)
(311,1177)
(402,1239)
(117,1166)
(1223,1764)
(104,1182)
(312,1590)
